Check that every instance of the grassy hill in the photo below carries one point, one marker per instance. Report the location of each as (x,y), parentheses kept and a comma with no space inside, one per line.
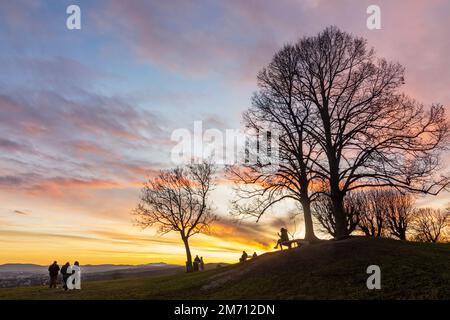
(327,270)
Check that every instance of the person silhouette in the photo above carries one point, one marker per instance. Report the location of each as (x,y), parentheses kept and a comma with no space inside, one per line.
(65,274)
(284,236)
(202,264)
(196,263)
(74,280)
(243,257)
(53,271)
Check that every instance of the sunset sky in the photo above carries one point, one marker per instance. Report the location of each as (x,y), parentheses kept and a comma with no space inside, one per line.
(86,115)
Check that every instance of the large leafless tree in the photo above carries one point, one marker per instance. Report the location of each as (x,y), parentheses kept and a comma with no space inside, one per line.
(177,200)
(370,133)
(272,178)
(399,212)
(344,125)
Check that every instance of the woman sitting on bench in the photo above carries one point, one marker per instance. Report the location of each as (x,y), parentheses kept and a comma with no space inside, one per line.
(284,237)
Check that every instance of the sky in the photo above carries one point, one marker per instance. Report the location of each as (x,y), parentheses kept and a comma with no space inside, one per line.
(86,116)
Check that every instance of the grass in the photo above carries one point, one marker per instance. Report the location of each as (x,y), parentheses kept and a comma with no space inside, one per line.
(327,270)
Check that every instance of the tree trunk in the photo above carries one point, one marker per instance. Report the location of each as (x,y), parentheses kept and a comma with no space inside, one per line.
(309,228)
(379,230)
(188,254)
(340,217)
(337,198)
(366,231)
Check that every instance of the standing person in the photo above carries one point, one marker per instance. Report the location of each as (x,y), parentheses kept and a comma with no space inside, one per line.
(74,280)
(202,264)
(196,263)
(65,275)
(254,255)
(53,271)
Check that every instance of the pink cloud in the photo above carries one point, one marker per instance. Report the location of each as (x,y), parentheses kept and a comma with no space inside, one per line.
(236,38)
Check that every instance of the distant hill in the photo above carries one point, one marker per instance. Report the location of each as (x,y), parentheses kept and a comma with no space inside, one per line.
(21,267)
(326,270)
(19,275)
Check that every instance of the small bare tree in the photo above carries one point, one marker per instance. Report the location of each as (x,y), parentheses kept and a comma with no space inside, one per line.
(177,200)
(429,224)
(399,213)
(372,220)
(385,212)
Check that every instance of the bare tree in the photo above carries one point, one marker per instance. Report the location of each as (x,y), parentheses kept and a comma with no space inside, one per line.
(385,212)
(370,133)
(372,220)
(399,213)
(177,200)
(429,224)
(275,108)
(344,125)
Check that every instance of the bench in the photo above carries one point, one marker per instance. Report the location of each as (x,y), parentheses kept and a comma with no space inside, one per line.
(297,242)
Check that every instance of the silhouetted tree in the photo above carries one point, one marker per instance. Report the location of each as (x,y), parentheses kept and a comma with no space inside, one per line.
(429,224)
(385,212)
(372,220)
(371,135)
(343,125)
(285,174)
(177,200)
(399,213)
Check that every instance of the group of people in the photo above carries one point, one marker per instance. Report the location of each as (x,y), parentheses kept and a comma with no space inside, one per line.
(245,256)
(283,238)
(66,271)
(198,264)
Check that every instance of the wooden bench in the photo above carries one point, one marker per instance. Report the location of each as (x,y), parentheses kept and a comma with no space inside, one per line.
(297,242)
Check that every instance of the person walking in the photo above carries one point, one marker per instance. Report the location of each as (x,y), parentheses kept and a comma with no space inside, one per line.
(202,264)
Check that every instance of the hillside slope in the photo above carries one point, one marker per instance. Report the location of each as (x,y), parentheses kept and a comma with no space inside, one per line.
(327,270)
